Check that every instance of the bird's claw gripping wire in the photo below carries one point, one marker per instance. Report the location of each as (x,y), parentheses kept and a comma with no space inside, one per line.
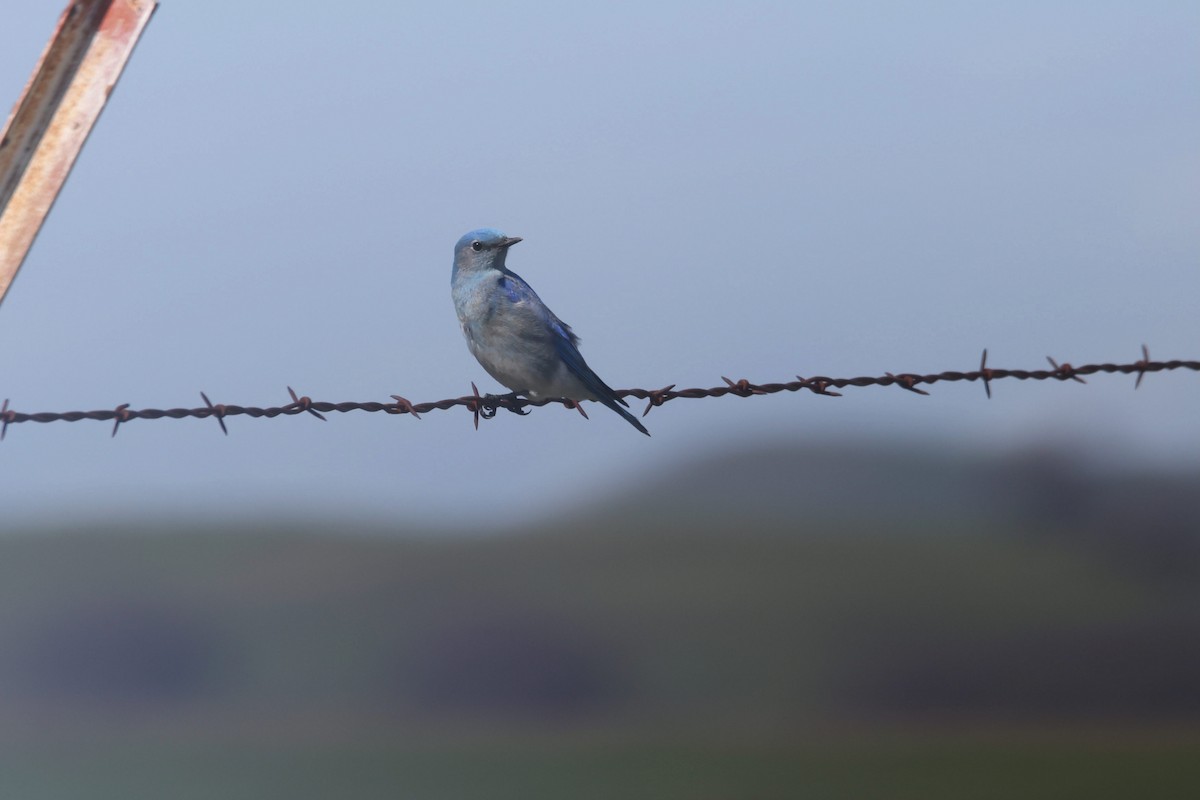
(509,402)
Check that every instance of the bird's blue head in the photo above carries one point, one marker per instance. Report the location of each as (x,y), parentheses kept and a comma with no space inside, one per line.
(482,249)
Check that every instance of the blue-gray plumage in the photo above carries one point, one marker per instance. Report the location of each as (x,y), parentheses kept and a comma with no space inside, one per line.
(519,341)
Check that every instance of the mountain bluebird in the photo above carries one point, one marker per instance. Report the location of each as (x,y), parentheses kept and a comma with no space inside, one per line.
(519,341)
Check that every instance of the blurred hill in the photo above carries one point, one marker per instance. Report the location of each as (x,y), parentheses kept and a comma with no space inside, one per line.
(745,603)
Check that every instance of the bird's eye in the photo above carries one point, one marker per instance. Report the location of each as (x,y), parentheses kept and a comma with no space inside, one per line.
(476,245)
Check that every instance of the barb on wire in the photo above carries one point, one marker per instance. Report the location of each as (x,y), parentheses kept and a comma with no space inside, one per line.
(217,411)
(485,406)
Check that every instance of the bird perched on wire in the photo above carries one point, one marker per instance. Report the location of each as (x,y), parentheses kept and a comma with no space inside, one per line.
(517,339)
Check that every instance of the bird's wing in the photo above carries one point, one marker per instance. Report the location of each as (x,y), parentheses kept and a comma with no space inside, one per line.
(521,295)
(566,343)
(571,356)
(514,289)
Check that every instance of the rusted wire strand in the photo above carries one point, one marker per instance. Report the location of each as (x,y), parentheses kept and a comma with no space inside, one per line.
(486,406)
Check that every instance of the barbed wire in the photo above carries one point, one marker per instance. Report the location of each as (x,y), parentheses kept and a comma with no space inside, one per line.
(485,406)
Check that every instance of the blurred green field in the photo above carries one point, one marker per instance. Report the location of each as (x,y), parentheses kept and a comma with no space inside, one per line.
(635,651)
(912,767)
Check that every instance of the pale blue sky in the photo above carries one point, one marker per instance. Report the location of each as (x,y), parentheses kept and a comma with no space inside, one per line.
(751,189)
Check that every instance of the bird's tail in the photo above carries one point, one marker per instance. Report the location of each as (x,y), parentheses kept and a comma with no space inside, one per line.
(616,404)
(602,391)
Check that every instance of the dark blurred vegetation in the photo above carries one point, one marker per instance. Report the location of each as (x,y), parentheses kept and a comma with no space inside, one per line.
(769,623)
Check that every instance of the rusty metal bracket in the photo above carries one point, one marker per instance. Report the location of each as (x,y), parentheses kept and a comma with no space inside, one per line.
(51,121)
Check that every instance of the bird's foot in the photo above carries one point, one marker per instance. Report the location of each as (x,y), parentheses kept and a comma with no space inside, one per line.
(491,402)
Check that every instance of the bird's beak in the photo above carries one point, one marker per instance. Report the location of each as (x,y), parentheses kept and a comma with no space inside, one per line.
(509,241)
